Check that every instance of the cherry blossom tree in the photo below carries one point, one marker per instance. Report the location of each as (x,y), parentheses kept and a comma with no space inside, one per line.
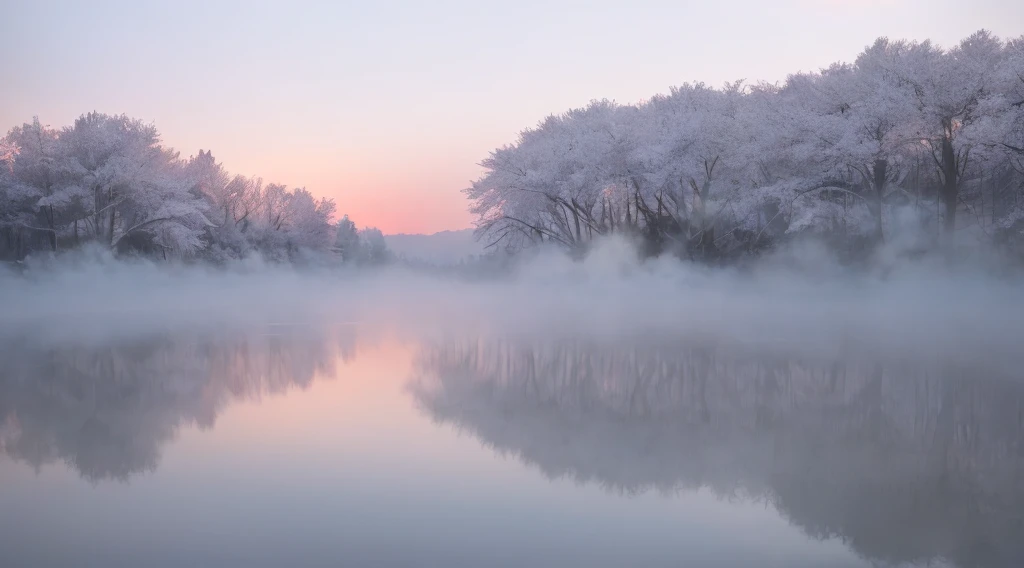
(109,180)
(309,221)
(232,203)
(136,192)
(948,88)
(700,156)
(42,198)
(374,248)
(346,240)
(833,152)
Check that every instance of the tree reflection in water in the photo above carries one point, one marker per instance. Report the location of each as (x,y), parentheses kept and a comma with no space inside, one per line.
(904,463)
(107,410)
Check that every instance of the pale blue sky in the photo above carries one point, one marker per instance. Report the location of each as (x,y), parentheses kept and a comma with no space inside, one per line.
(388,106)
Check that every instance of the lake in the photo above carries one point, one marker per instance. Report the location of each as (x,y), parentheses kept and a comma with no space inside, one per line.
(351,446)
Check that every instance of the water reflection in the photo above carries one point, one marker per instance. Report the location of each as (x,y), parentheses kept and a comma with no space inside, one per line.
(107,410)
(906,465)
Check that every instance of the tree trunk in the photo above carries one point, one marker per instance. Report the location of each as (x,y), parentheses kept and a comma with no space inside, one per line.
(97,205)
(110,236)
(52,233)
(576,220)
(636,200)
(881,174)
(950,186)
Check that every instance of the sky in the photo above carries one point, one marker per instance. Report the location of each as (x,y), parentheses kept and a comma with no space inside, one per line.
(388,107)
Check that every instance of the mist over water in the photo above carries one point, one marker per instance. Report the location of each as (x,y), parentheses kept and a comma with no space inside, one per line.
(798,301)
(789,412)
(770,323)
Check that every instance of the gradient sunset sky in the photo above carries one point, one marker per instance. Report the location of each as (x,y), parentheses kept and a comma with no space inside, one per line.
(388,106)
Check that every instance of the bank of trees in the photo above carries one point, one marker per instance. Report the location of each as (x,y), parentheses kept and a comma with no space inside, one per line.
(108,180)
(366,246)
(907,134)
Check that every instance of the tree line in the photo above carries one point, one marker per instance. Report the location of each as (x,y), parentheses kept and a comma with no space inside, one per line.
(108,180)
(909,136)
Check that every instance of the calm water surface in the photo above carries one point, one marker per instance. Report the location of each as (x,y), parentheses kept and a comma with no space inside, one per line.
(344,448)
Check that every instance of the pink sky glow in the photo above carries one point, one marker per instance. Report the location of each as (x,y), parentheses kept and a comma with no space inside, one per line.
(388,107)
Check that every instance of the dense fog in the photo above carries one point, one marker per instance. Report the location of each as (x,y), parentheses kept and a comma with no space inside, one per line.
(938,310)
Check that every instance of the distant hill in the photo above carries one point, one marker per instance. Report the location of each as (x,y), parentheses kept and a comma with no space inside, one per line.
(446,247)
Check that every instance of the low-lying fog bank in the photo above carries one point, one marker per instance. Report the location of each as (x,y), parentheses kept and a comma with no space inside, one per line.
(797,300)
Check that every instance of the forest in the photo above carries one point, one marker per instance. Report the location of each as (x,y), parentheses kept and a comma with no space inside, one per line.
(108,181)
(909,140)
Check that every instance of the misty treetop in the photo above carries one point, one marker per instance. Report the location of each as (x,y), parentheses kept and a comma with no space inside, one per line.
(907,135)
(107,180)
